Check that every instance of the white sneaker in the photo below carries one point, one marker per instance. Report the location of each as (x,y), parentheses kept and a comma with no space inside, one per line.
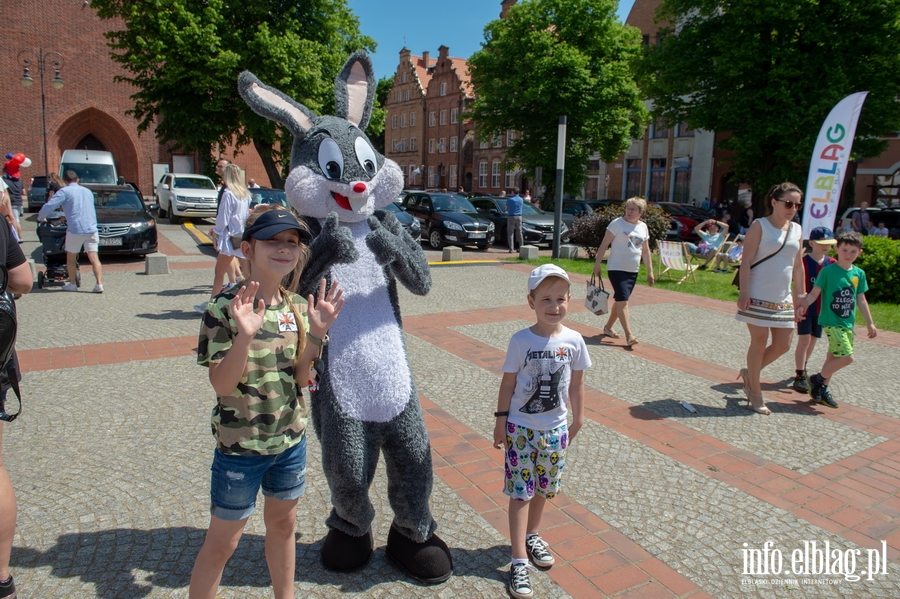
(70,287)
(98,288)
(200,308)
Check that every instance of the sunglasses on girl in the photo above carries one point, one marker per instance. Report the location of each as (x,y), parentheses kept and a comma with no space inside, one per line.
(791,205)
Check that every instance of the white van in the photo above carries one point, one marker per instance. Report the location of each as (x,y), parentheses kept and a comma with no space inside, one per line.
(92,166)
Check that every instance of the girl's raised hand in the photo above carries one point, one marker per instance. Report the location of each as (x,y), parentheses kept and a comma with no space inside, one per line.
(324,311)
(248,321)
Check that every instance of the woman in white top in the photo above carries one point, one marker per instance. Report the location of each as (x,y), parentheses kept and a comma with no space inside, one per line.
(233,211)
(765,303)
(628,240)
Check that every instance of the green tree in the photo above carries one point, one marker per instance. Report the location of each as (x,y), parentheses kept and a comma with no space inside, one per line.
(770,71)
(184,56)
(549,58)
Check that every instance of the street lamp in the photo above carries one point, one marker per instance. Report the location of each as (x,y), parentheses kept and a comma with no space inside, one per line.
(54,60)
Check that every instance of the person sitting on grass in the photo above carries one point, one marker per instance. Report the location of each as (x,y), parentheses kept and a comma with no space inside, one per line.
(733,254)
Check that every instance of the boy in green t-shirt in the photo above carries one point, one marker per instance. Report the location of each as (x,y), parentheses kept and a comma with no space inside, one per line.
(842,287)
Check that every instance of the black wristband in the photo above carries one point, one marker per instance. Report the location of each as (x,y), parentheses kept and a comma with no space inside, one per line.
(499,414)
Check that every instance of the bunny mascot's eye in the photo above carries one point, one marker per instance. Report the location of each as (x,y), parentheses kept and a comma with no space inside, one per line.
(331,161)
(366,156)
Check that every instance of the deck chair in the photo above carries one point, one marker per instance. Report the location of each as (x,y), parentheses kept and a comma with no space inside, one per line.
(674,255)
(711,256)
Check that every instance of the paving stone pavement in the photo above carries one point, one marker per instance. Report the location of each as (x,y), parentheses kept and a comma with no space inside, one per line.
(111,459)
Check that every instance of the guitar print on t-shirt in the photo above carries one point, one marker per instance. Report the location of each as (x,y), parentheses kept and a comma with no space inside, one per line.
(547,369)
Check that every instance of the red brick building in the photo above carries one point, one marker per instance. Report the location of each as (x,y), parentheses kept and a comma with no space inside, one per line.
(89,110)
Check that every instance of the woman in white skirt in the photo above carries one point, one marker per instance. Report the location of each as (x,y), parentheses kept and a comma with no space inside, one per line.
(765,303)
(233,211)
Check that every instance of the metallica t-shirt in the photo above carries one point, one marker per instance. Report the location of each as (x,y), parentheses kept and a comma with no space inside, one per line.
(543,368)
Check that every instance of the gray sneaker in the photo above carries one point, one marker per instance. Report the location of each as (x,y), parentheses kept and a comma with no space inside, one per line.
(520,581)
(538,552)
(70,287)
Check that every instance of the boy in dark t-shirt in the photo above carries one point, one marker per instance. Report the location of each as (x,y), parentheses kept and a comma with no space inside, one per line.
(843,287)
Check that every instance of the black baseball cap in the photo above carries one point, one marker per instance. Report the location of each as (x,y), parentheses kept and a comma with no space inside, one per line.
(271,223)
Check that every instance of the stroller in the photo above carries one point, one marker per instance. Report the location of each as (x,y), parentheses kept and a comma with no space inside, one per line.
(52,234)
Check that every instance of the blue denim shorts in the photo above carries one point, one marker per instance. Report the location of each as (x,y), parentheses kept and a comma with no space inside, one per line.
(236,480)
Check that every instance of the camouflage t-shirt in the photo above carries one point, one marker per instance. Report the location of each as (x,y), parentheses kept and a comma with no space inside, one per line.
(264,415)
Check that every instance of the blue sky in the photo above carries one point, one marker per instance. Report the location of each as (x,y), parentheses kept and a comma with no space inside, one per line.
(427,24)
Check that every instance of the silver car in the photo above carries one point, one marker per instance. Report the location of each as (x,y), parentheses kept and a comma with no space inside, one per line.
(537,226)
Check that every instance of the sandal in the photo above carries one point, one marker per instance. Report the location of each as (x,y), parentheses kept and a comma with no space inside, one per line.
(610,333)
(745,375)
(760,409)
(632,342)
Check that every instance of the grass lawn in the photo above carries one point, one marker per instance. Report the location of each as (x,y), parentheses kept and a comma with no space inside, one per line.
(718,286)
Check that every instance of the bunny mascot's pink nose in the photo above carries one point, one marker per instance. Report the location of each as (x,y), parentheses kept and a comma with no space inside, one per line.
(359,187)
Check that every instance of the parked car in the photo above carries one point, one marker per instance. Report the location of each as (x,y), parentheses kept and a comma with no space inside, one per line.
(891,220)
(124,223)
(268,195)
(572,209)
(447,218)
(687,217)
(409,223)
(537,226)
(844,222)
(37,193)
(183,195)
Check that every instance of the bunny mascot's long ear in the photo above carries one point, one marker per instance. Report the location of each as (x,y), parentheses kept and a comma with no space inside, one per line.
(274,105)
(354,90)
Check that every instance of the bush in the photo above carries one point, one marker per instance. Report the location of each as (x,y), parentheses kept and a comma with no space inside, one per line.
(588,230)
(881,261)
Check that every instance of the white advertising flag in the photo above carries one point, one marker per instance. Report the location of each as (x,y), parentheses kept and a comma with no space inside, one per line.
(829,163)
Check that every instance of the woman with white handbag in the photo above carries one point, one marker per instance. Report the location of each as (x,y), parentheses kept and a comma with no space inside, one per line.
(628,240)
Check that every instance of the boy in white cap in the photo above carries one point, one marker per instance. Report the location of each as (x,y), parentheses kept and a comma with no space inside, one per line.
(542,376)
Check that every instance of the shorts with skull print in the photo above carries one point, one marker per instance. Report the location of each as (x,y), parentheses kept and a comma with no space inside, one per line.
(534,461)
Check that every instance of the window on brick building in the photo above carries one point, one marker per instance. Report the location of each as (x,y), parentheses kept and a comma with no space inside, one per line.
(497,141)
(510,138)
(412,119)
(483,145)
(393,122)
(682,191)
(407,95)
(403,77)
(433,178)
(510,179)
(431,146)
(442,146)
(432,119)
(658,128)
(443,89)
(412,144)
(403,144)
(495,174)
(656,192)
(482,174)
(412,173)
(399,96)
(403,120)
(443,117)
(451,178)
(454,113)
(632,177)
(684,130)
(454,144)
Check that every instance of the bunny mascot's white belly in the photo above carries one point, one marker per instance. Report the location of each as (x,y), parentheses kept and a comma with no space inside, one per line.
(366,403)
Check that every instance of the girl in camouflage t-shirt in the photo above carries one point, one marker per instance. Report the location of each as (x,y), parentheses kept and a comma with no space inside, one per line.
(256,340)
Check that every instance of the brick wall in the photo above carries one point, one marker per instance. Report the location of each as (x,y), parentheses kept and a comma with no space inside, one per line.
(89,103)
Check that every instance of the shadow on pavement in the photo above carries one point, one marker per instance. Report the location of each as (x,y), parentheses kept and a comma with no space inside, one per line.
(129,563)
(204,289)
(189,314)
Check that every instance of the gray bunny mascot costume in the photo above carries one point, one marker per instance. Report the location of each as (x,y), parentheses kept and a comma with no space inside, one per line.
(365,402)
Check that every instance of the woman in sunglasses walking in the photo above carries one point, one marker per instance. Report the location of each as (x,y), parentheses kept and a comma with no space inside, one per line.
(770,263)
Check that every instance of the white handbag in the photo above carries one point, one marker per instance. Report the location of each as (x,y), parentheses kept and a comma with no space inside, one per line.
(597,298)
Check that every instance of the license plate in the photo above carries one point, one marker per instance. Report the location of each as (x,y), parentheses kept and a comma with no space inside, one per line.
(476,235)
(548,235)
(110,241)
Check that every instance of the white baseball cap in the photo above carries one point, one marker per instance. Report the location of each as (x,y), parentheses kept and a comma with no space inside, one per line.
(542,272)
